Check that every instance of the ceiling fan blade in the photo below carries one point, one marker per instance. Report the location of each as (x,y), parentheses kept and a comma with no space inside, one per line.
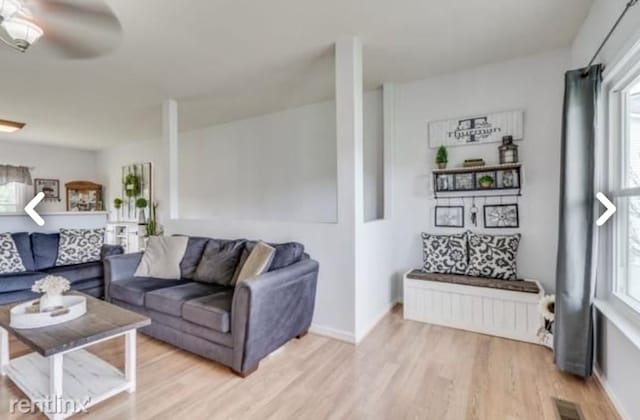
(71,46)
(86,12)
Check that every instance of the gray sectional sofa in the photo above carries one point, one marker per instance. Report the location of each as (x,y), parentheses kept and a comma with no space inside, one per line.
(38,252)
(236,326)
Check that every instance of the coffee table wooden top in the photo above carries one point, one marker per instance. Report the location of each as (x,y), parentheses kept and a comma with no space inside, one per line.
(102,320)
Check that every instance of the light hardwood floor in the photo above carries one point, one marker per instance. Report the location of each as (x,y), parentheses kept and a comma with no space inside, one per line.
(403,369)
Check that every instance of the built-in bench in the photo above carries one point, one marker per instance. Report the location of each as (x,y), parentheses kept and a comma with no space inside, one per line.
(502,308)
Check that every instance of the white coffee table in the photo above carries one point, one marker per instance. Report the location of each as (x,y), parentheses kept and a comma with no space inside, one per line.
(60,377)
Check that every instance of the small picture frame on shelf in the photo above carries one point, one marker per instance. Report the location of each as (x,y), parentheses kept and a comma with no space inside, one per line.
(444,182)
(464,181)
(50,188)
(508,178)
(501,216)
(449,216)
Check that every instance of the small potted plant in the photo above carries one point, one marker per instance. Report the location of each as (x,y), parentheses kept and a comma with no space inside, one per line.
(117,204)
(486,181)
(442,157)
(141,204)
(52,287)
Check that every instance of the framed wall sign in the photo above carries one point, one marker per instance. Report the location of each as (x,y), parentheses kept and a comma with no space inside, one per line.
(476,129)
(501,216)
(449,216)
(50,188)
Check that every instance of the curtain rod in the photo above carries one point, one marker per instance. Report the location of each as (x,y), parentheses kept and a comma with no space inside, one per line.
(629,5)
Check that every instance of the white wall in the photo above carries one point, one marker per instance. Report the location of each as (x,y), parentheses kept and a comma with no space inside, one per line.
(51,162)
(617,358)
(534,84)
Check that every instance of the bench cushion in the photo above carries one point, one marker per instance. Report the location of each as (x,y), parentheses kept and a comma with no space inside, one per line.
(512,285)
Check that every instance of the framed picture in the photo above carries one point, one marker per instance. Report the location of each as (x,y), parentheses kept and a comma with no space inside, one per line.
(50,188)
(464,181)
(501,216)
(449,216)
(444,182)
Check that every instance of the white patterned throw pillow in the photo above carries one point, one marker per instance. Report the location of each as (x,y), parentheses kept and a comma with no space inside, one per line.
(493,256)
(10,260)
(444,254)
(79,246)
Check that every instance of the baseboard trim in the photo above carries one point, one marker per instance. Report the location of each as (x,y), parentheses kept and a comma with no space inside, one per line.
(329,332)
(375,322)
(612,397)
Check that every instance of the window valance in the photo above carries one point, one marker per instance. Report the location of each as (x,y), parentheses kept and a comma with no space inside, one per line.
(19,174)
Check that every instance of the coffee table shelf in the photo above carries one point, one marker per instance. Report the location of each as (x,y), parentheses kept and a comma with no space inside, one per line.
(87,380)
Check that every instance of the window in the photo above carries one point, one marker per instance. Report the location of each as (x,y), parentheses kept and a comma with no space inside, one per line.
(11,197)
(626,164)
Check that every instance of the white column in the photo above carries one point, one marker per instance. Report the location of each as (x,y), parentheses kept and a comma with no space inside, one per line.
(389,119)
(130,360)
(55,386)
(4,351)
(349,129)
(170,140)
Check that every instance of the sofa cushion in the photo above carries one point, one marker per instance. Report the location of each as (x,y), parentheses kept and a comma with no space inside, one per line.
(286,254)
(133,290)
(78,246)
(219,261)
(45,249)
(10,259)
(213,311)
(192,255)
(169,300)
(19,281)
(23,243)
(87,284)
(78,272)
(258,262)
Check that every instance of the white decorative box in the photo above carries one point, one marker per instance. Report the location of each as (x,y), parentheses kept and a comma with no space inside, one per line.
(22,316)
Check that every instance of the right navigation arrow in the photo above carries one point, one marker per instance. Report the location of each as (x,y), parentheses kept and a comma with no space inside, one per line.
(611,209)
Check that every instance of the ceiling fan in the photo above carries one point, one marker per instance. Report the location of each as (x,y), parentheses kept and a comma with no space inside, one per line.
(68,28)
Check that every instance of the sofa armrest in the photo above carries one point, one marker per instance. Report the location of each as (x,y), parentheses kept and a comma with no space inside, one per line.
(119,267)
(271,309)
(109,250)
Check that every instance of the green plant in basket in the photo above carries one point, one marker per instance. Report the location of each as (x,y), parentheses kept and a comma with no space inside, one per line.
(117,203)
(486,181)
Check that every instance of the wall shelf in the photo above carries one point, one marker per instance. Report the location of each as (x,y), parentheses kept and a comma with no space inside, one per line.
(464,182)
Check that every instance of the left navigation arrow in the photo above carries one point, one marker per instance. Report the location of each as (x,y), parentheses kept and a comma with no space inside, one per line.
(30,209)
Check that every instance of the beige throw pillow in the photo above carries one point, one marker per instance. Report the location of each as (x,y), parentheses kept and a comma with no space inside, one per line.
(258,262)
(162,257)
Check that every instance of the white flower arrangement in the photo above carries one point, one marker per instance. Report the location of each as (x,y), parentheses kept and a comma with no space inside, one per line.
(51,285)
(547,307)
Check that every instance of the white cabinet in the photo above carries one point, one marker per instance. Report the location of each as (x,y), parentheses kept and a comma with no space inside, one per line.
(129,235)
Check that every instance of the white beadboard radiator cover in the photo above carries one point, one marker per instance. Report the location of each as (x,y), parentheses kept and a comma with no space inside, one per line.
(501,313)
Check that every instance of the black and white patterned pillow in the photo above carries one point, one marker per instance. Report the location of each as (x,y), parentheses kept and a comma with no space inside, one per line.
(493,256)
(446,254)
(79,246)
(10,260)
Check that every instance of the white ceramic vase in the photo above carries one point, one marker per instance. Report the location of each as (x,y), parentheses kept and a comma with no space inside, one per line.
(50,301)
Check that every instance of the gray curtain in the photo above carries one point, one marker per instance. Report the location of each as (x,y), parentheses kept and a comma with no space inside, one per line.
(573,329)
(19,174)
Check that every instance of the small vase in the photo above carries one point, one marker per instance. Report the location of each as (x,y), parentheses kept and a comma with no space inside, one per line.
(442,165)
(50,301)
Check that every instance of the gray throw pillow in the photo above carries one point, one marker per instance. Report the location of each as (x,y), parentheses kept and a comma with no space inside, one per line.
(219,261)
(493,256)
(77,246)
(10,260)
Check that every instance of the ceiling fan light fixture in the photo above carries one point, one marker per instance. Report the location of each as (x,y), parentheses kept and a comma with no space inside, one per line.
(23,32)
(7,126)
(9,8)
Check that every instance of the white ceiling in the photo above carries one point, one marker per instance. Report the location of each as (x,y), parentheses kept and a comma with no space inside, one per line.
(229,59)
